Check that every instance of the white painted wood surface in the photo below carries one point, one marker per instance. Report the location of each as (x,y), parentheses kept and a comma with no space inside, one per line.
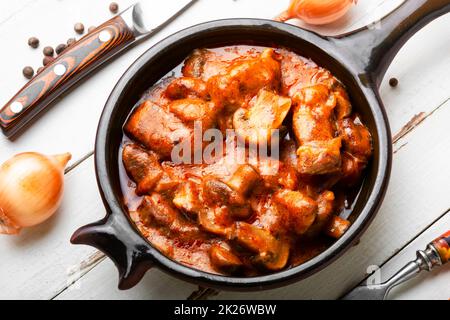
(41,264)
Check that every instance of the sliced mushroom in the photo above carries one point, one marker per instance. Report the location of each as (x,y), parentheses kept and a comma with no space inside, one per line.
(302,209)
(258,123)
(223,258)
(193,67)
(218,193)
(204,64)
(272,253)
(143,167)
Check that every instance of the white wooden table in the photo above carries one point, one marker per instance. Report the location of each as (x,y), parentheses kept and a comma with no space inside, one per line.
(41,263)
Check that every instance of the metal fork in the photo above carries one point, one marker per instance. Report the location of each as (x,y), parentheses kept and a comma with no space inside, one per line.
(437,253)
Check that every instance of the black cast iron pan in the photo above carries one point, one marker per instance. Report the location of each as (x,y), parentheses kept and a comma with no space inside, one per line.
(359,59)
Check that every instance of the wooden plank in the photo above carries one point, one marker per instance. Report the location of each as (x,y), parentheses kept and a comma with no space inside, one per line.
(8,9)
(155,286)
(417,196)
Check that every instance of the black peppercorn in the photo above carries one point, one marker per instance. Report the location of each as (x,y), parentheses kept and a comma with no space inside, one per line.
(47,60)
(28,72)
(60,48)
(393,82)
(114,7)
(39,70)
(48,51)
(33,42)
(71,41)
(92,29)
(79,28)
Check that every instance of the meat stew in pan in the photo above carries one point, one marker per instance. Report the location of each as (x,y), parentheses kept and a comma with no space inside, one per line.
(238,212)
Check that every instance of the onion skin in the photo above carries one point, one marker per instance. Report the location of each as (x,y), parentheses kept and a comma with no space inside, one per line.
(31,190)
(316,12)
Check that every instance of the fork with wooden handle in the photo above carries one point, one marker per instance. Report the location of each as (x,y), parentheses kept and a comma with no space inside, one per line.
(437,253)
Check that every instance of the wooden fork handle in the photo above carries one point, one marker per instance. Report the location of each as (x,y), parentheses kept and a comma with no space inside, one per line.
(72,65)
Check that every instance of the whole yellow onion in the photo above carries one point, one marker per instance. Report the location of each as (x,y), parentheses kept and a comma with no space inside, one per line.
(317,12)
(31,190)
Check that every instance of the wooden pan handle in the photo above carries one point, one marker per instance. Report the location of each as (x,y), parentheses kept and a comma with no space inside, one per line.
(71,66)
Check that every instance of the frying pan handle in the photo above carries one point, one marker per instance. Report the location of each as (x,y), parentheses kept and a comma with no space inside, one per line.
(377,45)
(123,246)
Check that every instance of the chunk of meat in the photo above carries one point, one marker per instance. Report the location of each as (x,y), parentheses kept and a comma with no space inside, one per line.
(319,157)
(204,63)
(337,227)
(343,106)
(169,181)
(223,258)
(272,253)
(256,124)
(319,151)
(299,73)
(187,87)
(156,128)
(190,110)
(313,114)
(326,205)
(270,215)
(187,197)
(302,209)
(156,210)
(277,174)
(142,167)
(356,138)
(244,179)
(244,79)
